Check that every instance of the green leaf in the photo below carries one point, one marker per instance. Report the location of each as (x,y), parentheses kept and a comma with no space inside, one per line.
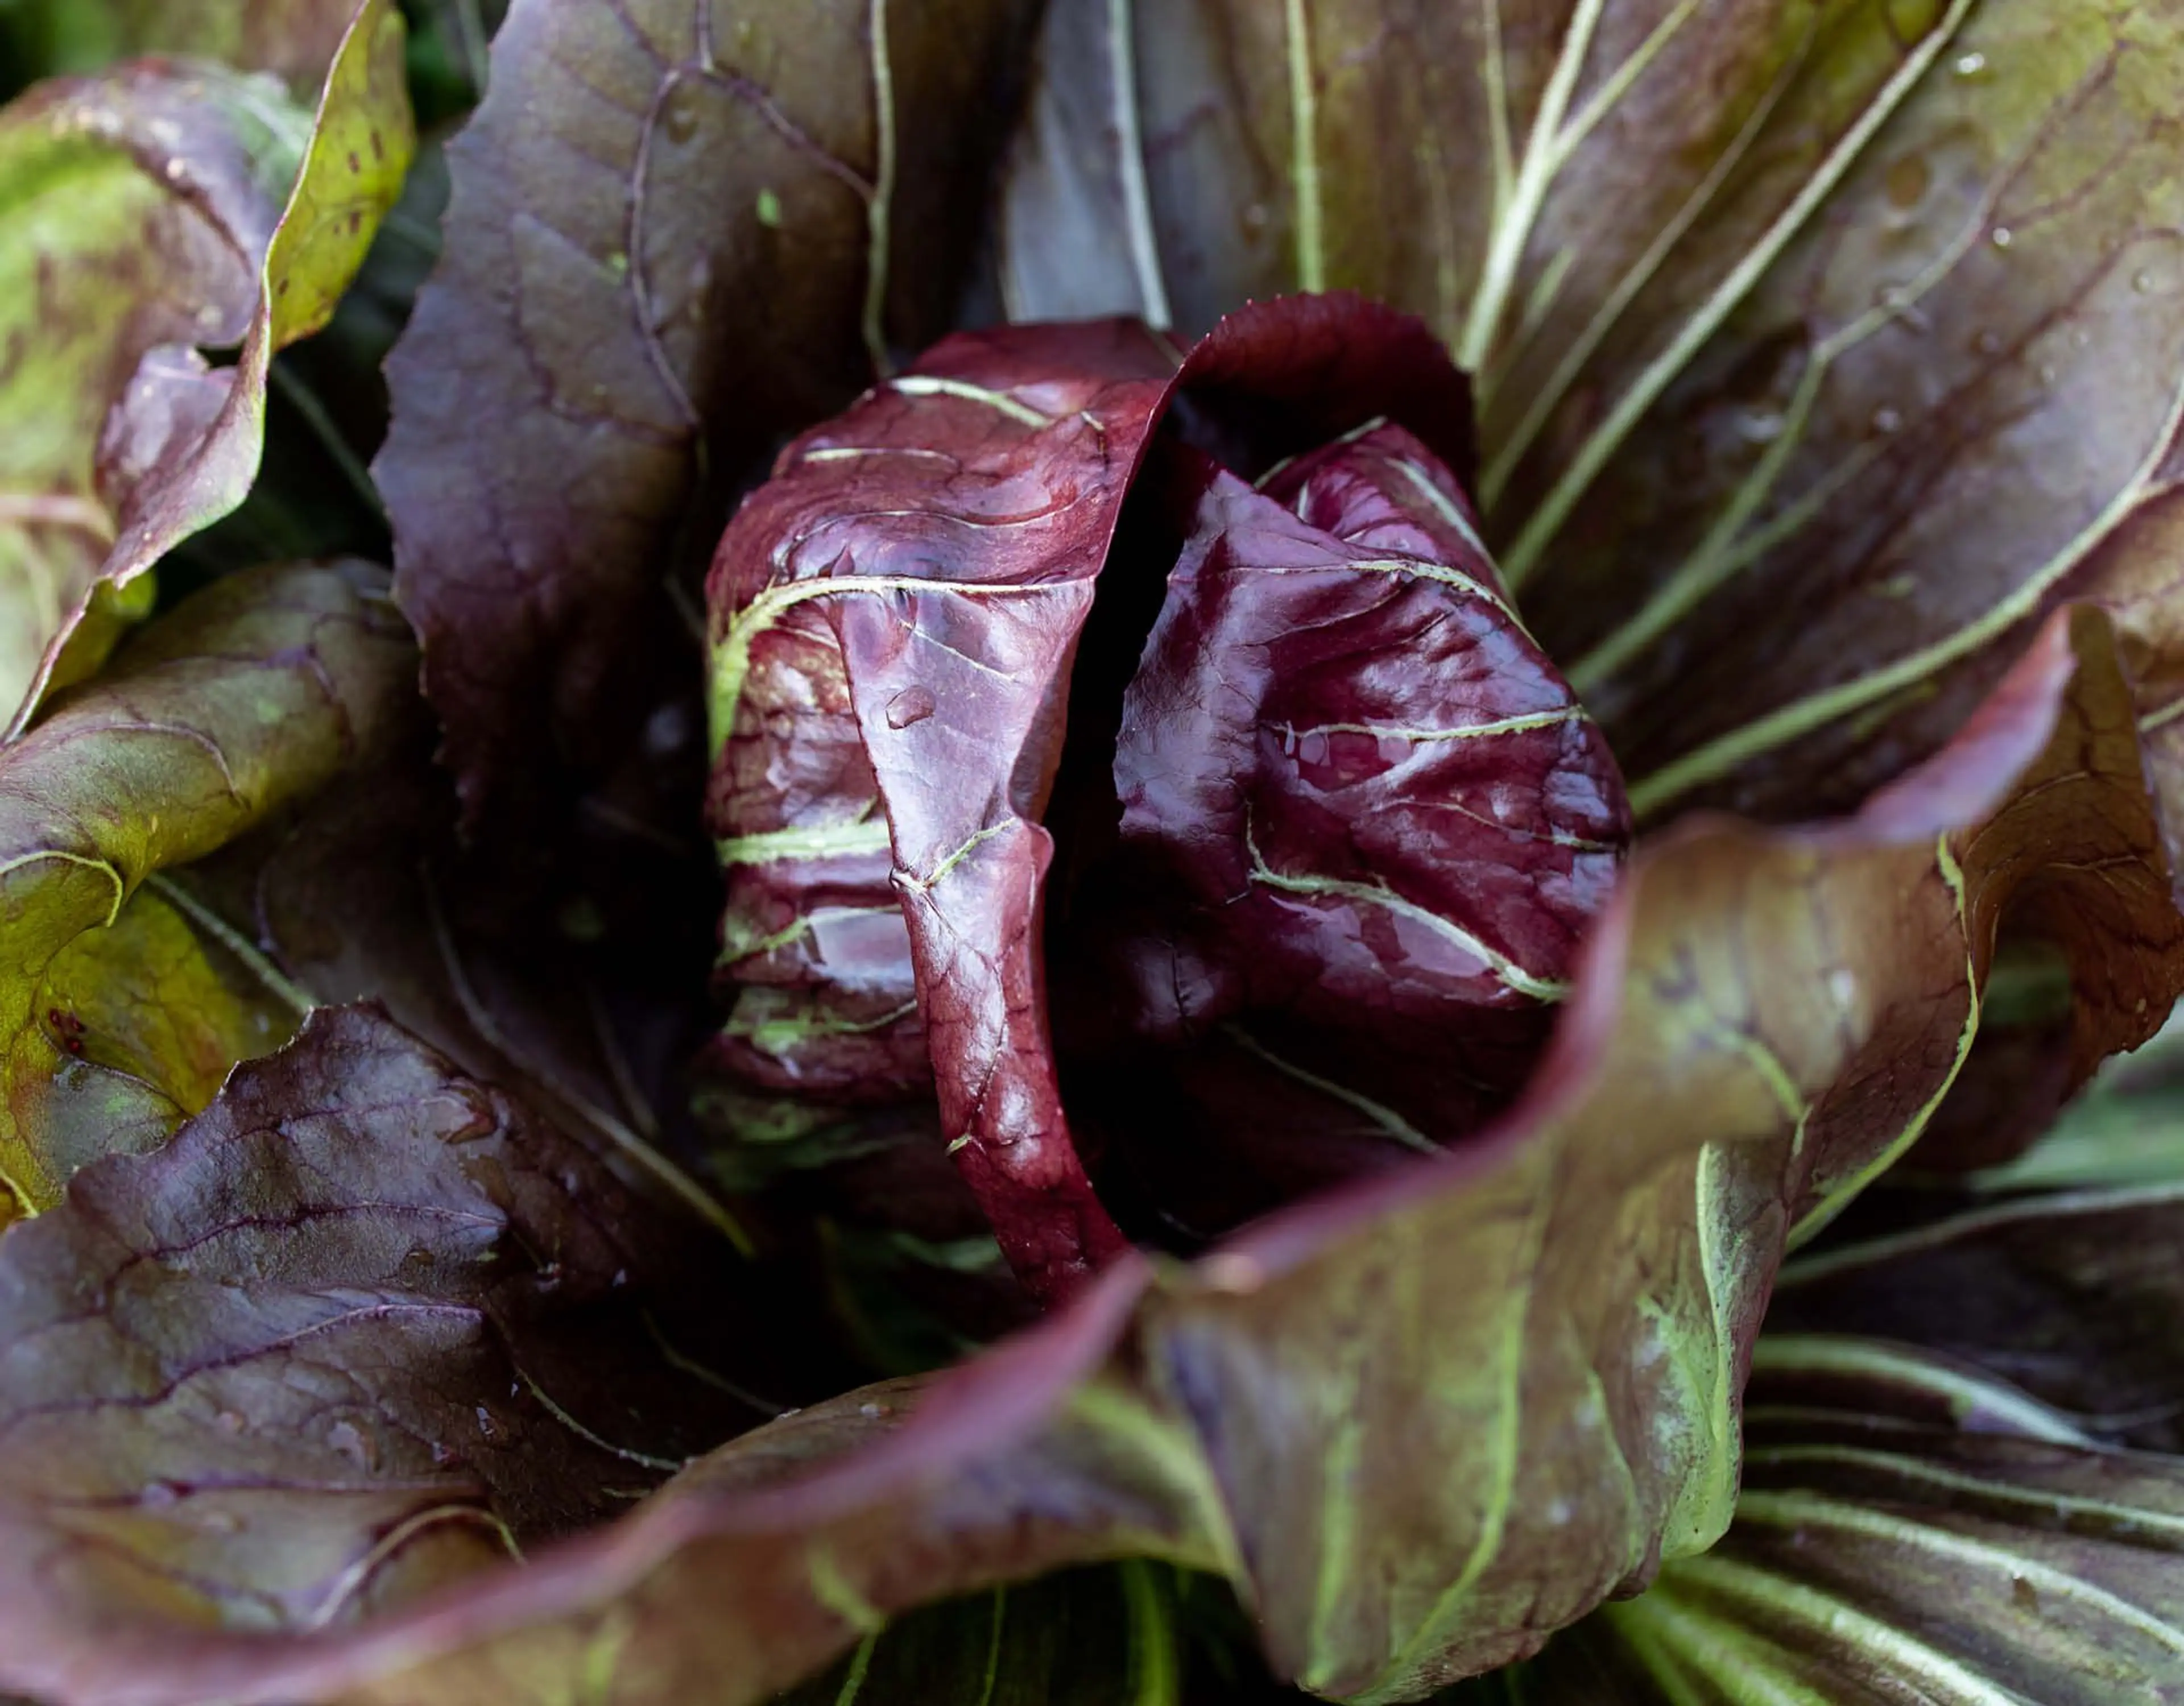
(678,226)
(177,442)
(1872,310)
(129,262)
(119,1013)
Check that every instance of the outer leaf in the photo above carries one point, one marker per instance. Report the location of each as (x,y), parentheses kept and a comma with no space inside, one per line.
(1912,1518)
(210,745)
(182,446)
(105,257)
(1564,1308)
(252,696)
(678,226)
(360,1329)
(1865,310)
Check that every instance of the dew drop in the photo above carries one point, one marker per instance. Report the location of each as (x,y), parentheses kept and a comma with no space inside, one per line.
(2046,373)
(354,1444)
(2001,237)
(1886,420)
(912,704)
(2142,282)
(1970,65)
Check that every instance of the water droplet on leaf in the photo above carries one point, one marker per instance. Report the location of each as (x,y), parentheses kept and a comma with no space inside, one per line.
(2001,237)
(912,704)
(354,1444)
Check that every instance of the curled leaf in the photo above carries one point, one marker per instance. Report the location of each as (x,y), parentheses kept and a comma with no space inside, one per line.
(179,442)
(107,256)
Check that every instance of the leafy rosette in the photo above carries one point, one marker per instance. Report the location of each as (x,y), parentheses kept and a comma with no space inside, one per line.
(1280,1136)
(1334,825)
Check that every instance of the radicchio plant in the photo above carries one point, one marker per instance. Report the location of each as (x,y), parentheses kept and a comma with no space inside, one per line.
(1337,953)
(1353,824)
